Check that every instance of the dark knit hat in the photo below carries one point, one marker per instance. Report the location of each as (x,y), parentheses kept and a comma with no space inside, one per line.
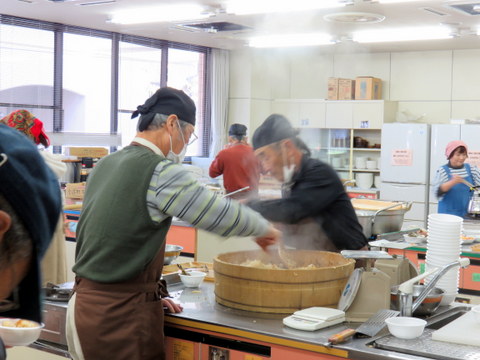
(275,128)
(166,101)
(33,191)
(237,130)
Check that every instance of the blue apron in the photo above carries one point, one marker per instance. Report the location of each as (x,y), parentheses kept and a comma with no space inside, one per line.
(455,201)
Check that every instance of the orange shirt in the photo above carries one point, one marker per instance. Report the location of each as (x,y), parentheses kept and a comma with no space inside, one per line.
(239,167)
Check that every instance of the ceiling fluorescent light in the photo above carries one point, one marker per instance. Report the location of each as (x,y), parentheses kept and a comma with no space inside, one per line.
(290,40)
(245,7)
(397,1)
(159,14)
(403,34)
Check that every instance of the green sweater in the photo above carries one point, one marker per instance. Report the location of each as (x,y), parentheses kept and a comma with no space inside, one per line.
(116,237)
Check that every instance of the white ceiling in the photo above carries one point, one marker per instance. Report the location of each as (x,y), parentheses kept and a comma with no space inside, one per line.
(76,12)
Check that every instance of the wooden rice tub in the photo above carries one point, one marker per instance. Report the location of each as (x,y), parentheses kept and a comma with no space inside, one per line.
(283,291)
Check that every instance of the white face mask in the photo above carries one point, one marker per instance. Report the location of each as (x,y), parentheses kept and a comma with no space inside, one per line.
(288,169)
(177,158)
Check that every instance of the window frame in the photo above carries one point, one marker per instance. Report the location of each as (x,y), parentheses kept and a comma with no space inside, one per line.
(164,45)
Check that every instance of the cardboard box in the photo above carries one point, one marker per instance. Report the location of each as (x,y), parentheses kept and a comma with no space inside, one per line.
(93,152)
(368,88)
(333,88)
(75,190)
(346,89)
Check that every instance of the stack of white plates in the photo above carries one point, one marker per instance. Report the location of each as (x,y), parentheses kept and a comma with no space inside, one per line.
(444,247)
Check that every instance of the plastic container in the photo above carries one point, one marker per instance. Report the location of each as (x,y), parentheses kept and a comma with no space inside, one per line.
(404,327)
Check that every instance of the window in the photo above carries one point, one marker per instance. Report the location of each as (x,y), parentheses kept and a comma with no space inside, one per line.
(87,76)
(138,79)
(26,71)
(185,72)
(86,81)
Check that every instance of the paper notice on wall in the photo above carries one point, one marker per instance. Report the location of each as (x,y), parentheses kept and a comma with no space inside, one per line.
(474,158)
(402,157)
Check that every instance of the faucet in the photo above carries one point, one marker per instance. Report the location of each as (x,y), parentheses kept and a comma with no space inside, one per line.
(407,306)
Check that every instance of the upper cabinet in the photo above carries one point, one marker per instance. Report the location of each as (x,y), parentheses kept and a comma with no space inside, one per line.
(336,114)
(359,114)
(301,113)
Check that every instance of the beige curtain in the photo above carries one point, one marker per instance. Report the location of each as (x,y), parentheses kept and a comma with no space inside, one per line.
(220,71)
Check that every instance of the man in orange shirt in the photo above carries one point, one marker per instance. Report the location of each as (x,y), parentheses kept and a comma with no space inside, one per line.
(238,164)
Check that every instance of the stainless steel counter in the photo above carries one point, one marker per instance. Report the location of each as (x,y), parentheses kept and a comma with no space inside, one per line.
(203,313)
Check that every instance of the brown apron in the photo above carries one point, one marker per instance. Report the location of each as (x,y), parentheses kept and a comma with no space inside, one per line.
(307,235)
(122,321)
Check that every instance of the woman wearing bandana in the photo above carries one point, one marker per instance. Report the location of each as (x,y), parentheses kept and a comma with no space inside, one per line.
(315,211)
(453,195)
(54,266)
(131,196)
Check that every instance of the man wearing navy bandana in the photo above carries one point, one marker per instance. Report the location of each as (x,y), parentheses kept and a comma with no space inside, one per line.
(130,199)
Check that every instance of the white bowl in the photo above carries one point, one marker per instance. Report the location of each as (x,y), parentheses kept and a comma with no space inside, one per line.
(405,327)
(194,279)
(443,218)
(364,180)
(19,336)
(476,313)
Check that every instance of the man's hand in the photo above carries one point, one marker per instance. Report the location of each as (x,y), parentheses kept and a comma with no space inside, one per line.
(171,306)
(270,238)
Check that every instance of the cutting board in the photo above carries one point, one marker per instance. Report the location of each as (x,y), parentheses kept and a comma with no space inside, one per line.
(374,205)
(464,330)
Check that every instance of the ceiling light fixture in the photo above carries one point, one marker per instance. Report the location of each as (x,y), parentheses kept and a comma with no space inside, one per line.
(397,1)
(159,14)
(245,7)
(290,40)
(403,34)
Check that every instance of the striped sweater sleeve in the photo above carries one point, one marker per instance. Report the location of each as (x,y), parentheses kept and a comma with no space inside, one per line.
(440,178)
(173,191)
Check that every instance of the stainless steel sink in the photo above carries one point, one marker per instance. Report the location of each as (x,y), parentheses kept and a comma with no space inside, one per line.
(428,348)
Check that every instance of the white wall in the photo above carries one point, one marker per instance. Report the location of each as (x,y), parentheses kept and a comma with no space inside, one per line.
(434,85)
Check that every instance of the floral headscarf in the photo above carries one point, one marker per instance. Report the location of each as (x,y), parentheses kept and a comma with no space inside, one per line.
(27,123)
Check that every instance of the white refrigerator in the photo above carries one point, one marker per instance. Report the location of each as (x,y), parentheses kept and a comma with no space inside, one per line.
(405,168)
(441,135)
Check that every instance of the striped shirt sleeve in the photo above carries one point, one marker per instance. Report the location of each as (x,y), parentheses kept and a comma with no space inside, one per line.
(173,191)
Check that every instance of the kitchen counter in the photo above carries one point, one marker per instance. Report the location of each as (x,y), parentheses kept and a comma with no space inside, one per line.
(201,313)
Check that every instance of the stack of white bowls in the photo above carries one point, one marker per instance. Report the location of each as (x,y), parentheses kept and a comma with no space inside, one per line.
(444,247)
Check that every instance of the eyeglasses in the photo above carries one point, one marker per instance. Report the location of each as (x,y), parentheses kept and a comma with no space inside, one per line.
(193,138)
(7,305)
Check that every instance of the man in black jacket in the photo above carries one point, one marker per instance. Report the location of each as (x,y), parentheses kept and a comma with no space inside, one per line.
(315,211)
